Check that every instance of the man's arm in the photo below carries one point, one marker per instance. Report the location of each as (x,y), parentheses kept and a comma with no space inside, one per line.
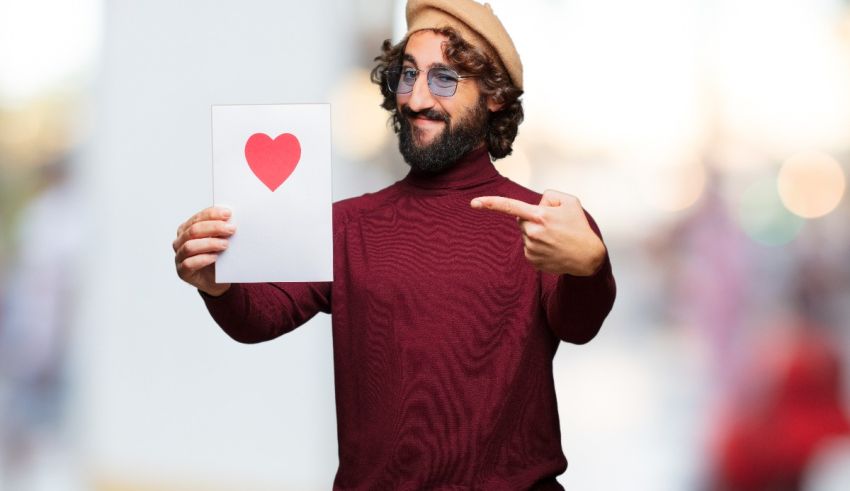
(257,312)
(248,312)
(576,306)
(562,241)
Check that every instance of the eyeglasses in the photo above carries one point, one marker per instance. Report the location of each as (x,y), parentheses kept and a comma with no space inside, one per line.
(442,82)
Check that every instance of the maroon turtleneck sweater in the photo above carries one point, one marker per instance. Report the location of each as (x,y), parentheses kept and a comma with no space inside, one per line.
(443,335)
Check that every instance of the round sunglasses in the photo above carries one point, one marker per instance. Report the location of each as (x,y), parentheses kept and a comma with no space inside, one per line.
(442,81)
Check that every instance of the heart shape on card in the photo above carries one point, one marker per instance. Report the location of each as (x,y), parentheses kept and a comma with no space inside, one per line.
(272,161)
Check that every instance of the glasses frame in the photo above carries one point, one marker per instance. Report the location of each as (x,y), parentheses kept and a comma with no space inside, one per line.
(429,79)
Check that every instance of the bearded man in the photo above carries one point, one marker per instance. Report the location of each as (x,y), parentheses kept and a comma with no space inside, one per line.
(453,287)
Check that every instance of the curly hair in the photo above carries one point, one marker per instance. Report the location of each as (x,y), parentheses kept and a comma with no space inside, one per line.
(494,82)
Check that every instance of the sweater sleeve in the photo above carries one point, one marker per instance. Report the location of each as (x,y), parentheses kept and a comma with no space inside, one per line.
(576,306)
(257,312)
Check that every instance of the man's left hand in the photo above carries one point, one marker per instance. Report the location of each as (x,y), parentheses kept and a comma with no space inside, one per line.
(556,234)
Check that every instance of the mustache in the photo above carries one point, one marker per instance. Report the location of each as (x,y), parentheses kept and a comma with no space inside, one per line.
(429,113)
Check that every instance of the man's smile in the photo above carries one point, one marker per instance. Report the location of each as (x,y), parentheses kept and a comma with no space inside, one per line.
(423,122)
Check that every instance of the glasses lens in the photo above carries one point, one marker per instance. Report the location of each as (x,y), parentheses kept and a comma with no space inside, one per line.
(442,81)
(401,79)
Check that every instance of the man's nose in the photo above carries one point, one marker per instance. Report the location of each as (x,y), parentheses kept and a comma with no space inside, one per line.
(421,97)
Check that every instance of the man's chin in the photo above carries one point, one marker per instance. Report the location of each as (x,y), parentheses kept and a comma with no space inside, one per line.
(423,138)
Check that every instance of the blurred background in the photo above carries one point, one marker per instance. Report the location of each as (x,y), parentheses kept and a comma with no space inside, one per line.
(710,139)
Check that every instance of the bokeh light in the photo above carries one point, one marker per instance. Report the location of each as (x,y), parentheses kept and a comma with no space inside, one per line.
(674,185)
(763,217)
(811,184)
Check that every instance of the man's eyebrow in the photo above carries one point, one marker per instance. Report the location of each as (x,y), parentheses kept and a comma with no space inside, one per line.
(410,58)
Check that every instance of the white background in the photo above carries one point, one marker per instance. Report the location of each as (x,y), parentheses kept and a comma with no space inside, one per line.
(164,394)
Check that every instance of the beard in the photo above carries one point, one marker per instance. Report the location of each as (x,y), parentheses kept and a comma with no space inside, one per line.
(447,147)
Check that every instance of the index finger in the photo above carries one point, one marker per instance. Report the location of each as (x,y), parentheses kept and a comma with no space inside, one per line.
(508,206)
(211,213)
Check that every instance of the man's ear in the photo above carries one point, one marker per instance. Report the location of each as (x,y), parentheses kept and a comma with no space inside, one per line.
(492,105)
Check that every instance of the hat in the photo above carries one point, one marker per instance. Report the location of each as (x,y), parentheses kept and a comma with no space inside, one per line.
(476,24)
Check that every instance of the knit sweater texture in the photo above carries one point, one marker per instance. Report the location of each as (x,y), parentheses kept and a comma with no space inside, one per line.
(443,335)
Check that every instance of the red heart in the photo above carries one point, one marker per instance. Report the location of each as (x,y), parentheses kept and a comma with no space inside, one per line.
(272,161)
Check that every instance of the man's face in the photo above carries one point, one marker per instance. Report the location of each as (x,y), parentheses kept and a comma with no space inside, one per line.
(436,131)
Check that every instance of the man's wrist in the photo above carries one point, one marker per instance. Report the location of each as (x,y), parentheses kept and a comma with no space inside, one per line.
(216,290)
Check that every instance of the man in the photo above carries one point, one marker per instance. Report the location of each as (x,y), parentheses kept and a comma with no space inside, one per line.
(451,291)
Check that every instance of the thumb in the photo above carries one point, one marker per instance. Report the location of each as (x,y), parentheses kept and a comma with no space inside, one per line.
(554,198)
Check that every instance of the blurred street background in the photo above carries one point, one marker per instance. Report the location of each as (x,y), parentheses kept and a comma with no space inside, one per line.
(710,139)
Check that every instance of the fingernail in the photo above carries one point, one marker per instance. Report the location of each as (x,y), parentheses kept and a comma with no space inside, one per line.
(225,213)
(230,227)
(476,203)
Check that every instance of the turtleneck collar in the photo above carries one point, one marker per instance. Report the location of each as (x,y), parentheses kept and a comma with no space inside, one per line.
(473,169)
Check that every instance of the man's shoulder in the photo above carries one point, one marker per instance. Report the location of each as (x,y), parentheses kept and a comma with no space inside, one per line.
(510,189)
(345,209)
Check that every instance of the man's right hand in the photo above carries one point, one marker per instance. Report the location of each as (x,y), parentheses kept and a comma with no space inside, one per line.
(199,241)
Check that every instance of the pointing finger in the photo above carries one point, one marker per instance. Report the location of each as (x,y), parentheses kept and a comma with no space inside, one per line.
(509,206)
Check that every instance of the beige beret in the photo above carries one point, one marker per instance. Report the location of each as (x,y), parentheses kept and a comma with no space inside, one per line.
(476,23)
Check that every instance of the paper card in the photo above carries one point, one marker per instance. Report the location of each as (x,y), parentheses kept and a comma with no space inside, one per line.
(272,168)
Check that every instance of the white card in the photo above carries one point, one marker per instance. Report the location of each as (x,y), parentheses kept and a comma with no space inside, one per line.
(272,168)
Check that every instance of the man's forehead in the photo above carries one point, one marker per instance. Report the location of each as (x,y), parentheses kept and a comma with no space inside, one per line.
(426,48)
(437,64)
